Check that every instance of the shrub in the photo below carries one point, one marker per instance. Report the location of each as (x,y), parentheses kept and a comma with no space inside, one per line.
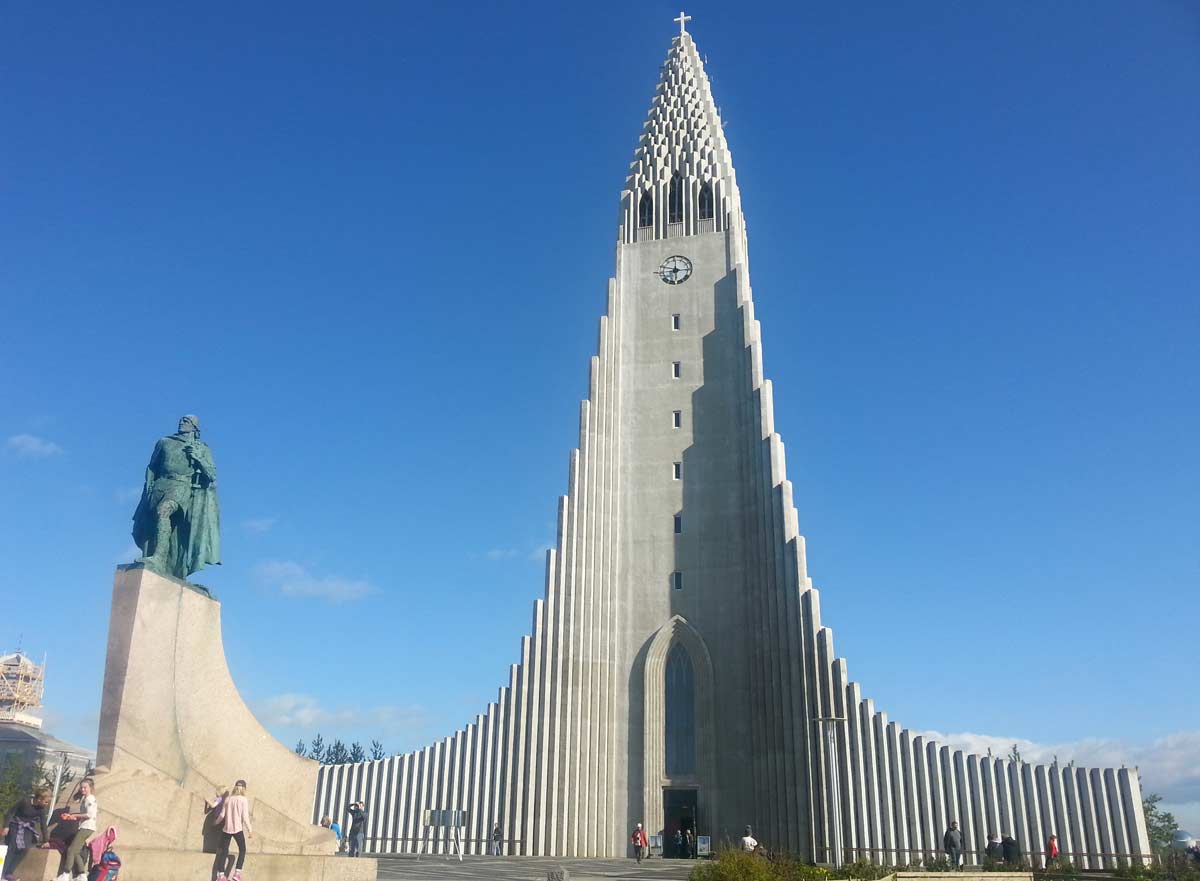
(734,865)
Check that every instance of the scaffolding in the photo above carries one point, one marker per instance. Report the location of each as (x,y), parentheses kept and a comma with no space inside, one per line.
(22,683)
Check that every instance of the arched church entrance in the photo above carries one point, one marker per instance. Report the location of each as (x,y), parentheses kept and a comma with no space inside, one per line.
(679,762)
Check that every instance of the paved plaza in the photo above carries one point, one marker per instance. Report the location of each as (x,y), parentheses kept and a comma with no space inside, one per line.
(438,868)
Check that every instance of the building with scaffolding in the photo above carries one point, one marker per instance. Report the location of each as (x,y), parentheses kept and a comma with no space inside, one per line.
(22,685)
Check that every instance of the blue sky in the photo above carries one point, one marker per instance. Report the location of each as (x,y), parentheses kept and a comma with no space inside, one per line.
(369,246)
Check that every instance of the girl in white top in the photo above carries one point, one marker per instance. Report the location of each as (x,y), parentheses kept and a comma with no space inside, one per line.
(74,865)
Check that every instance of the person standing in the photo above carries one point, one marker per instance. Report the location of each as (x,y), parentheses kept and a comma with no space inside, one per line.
(1051,850)
(641,845)
(358,827)
(234,819)
(952,842)
(497,839)
(994,850)
(1012,851)
(74,864)
(749,843)
(26,826)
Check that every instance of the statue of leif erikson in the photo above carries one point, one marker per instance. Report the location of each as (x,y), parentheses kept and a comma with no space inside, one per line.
(177,524)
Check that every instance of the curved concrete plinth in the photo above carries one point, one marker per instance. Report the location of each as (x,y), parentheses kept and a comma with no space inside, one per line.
(173,728)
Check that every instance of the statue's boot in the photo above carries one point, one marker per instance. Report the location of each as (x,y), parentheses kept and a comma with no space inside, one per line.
(162,540)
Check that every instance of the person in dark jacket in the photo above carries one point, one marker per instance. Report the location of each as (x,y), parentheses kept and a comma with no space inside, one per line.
(1012,851)
(952,843)
(994,850)
(358,827)
(26,826)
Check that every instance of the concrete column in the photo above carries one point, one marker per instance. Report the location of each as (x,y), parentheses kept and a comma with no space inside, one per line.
(899,789)
(866,720)
(856,773)
(883,771)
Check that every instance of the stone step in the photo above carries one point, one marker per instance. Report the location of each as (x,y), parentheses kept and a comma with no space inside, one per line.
(141,864)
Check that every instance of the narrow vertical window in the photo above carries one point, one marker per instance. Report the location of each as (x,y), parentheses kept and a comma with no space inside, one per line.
(677,580)
(706,202)
(677,418)
(675,321)
(677,471)
(678,524)
(646,209)
(679,730)
(675,200)
(676,369)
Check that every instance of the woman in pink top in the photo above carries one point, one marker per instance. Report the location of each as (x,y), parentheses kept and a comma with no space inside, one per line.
(234,818)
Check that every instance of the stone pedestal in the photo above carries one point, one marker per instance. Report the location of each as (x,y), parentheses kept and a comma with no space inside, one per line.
(173,865)
(173,729)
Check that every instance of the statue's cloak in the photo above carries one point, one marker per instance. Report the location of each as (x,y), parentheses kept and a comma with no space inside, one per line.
(196,534)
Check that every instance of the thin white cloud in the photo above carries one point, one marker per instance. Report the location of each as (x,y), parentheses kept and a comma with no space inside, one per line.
(259,525)
(500,554)
(127,495)
(304,712)
(538,553)
(293,580)
(131,553)
(29,446)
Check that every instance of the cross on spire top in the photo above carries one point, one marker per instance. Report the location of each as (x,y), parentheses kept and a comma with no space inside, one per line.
(683,20)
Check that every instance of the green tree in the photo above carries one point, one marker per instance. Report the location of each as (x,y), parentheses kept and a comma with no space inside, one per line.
(300,749)
(316,749)
(12,782)
(357,753)
(1160,824)
(337,754)
(377,751)
(1014,755)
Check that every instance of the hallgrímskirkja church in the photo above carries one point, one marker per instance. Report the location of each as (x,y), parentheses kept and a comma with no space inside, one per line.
(677,673)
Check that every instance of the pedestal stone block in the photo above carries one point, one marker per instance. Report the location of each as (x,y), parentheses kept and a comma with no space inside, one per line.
(173,728)
(139,864)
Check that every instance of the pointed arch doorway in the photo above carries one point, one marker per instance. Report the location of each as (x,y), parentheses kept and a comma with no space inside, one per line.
(679,756)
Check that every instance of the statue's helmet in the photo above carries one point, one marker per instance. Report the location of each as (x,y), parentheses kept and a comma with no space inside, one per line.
(189,423)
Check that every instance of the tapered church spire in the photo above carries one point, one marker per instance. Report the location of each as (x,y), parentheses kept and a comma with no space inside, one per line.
(681,181)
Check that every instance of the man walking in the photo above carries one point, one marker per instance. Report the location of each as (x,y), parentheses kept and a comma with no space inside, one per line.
(952,842)
(641,846)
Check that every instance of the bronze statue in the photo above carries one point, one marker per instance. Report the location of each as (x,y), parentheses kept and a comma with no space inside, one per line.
(177,524)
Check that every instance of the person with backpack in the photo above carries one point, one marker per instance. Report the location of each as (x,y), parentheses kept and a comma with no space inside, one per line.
(641,846)
(234,819)
(497,839)
(74,864)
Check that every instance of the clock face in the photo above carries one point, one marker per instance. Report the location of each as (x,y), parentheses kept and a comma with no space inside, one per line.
(675,270)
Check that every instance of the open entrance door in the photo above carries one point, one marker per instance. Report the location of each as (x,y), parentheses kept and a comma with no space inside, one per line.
(679,823)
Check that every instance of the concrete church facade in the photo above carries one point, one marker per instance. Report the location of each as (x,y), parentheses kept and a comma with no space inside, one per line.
(677,670)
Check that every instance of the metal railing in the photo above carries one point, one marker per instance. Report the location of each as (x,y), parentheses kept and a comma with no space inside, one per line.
(393,844)
(1035,858)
